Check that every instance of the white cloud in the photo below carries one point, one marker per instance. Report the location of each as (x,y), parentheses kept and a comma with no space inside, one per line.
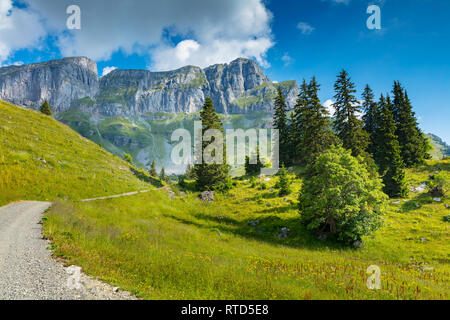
(213,31)
(305,28)
(342,1)
(19,29)
(329,106)
(287,59)
(107,70)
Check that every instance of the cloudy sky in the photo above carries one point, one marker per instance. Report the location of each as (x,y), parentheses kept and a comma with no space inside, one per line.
(290,39)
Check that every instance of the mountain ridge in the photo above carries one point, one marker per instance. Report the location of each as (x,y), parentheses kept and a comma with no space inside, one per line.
(236,87)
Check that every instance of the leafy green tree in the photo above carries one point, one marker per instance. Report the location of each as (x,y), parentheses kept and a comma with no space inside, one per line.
(340,198)
(284,183)
(347,125)
(280,123)
(153,171)
(128,158)
(313,124)
(46,109)
(412,142)
(253,168)
(211,176)
(387,151)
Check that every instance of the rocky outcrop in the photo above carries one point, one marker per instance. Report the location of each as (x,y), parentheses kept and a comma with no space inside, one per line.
(237,87)
(60,82)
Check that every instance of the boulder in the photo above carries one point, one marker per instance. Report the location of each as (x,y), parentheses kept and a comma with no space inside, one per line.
(207,196)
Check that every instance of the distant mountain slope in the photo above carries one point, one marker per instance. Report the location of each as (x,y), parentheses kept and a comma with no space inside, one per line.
(42,159)
(237,87)
(440,148)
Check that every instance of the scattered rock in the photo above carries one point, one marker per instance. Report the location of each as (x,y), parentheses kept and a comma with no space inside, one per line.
(437,199)
(207,196)
(291,169)
(115,289)
(424,239)
(447,206)
(426,268)
(253,223)
(260,230)
(283,233)
(420,189)
(357,244)
(396,202)
(172,195)
(417,205)
(267,179)
(285,199)
(322,237)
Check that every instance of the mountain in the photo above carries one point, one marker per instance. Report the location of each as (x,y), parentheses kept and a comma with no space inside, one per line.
(440,148)
(237,87)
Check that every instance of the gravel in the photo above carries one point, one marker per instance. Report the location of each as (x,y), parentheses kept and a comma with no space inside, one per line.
(27,269)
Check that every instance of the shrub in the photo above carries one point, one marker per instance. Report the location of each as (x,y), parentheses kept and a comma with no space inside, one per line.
(439,185)
(128,158)
(46,109)
(340,198)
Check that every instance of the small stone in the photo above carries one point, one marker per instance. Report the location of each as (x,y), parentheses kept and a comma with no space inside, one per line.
(207,196)
(357,244)
(447,206)
(322,237)
(285,199)
(426,268)
(116,289)
(417,205)
(437,199)
(396,202)
(283,232)
(424,239)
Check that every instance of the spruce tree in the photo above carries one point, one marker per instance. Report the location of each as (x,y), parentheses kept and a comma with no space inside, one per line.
(46,109)
(153,171)
(347,125)
(411,139)
(387,155)
(297,127)
(280,123)
(284,184)
(313,124)
(210,176)
(253,168)
(162,175)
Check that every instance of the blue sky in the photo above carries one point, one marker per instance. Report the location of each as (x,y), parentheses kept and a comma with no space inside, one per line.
(413,45)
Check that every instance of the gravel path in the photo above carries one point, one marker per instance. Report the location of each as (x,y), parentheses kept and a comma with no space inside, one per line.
(27,270)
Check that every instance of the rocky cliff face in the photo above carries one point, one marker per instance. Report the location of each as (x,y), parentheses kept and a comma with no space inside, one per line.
(237,87)
(59,81)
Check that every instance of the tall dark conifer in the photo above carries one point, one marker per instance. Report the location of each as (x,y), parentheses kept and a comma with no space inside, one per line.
(315,135)
(347,125)
(210,176)
(410,137)
(370,109)
(280,123)
(298,122)
(387,155)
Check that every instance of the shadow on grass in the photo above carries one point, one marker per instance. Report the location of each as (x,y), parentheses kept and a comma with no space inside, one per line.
(143,176)
(265,230)
(417,202)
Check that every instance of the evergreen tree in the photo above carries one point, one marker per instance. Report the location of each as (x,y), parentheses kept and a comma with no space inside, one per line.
(189,172)
(210,176)
(284,184)
(46,109)
(313,124)
(347,125)
(253,168)
(370,109)
(162,175)
(153,171)
(410,137)
(387,155)
(297,127)
(280,123)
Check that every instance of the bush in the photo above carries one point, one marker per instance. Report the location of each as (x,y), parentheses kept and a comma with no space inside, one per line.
(340,198)
(439,185)
(128,158)
(447,218)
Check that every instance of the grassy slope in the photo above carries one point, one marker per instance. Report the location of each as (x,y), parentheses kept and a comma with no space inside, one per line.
(161,248)
(74,167)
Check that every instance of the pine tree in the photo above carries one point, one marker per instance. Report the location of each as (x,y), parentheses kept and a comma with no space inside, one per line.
(253,168)
(410,137)
(284,184)
(347,125)
(46,109)
(210,176)
(162,175)
(387,154)
(297,127)
(153,171)
(313,124)
(280,123)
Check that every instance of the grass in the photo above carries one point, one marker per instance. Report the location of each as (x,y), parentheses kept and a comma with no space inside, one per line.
(42,159)
(160,248)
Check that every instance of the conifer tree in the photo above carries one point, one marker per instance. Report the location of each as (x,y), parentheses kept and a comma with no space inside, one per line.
(210,176)
(297,127)
(370,108)
(280,123)
(153,171)
(313,124)
(253,168)
(46,109)
(410,137)
(347,125)
(284,184)
(387,155)
(162,175)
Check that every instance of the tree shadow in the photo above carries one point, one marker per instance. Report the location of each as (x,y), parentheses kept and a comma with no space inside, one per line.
(265,229)
(143,176)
